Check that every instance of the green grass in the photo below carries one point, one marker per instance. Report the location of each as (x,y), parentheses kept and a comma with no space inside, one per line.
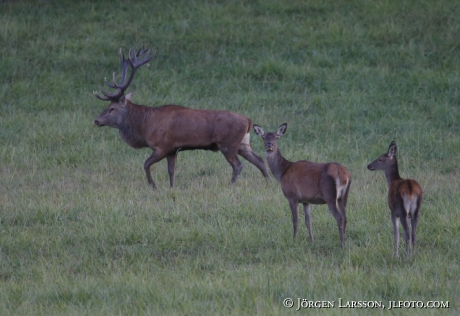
(81,233)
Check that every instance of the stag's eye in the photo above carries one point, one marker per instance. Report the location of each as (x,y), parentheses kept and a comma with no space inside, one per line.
(111,110)
(380,159)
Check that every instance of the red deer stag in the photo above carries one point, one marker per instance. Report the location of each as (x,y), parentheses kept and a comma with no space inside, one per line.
(308,182)
(404,197)
(169,128)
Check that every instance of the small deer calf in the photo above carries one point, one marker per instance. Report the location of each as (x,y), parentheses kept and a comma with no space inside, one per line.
(404,197)
(308,182)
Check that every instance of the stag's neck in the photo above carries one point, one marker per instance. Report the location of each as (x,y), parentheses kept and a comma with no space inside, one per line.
(133,125)
(277,163)
(392,172)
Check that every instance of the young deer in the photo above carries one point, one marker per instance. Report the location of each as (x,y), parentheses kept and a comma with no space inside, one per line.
(308,182)
(404,197)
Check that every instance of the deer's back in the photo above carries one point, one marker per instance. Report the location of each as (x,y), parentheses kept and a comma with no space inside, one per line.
(180,127)
(310,182)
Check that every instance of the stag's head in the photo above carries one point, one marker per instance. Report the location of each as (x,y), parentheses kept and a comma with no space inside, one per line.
(118,100)
(271,138)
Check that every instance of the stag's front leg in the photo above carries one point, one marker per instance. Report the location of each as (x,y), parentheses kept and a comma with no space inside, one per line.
(230,154)
(156,156)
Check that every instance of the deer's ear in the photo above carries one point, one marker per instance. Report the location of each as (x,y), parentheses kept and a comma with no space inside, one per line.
(281,129)
(126,98)
(392,149)
(258,130)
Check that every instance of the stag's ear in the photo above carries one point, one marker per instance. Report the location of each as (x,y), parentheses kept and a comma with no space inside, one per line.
(392,149)
(258,130)
(125,98)
(281,129)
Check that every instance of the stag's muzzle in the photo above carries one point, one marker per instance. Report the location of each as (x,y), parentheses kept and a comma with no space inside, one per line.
(96,122)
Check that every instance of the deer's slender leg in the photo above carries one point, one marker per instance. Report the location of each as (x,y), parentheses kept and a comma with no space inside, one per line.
(294,205)
(156,156)
(342,202)
(395,221)
(306,210)
(171,165)
(414,222)
(340,220)
(405,226)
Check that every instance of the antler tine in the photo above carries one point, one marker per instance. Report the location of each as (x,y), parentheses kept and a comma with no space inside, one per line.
(99,97)
(113,96)
(136,63)
(124,64)
(113,86)
(142,51)
(122,56)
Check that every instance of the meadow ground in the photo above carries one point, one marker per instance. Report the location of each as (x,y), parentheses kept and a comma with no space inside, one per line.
(81,233)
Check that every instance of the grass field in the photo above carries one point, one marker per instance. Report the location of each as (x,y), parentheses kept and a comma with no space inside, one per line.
(81,233)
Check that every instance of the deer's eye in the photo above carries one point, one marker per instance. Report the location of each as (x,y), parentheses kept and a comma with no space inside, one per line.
(111,110)
(380,159)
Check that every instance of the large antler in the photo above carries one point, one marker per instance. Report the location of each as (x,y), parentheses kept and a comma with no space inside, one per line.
(142,57)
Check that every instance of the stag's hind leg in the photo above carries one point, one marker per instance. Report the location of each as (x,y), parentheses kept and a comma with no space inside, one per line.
(248,153)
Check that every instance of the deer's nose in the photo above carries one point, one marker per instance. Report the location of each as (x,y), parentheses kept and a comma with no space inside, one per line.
(96,122)
(269,147)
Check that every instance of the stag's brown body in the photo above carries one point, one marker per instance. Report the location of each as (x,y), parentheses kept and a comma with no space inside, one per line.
(308,182)
(404,198)
(169,129)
